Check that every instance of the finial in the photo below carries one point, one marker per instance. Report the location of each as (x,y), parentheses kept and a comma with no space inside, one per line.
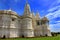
(37,11)
(26,1)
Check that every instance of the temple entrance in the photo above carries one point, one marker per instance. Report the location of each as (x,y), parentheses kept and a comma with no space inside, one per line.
(4,36)
(22,36)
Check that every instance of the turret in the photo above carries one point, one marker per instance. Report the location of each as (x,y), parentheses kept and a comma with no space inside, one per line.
(45,26)
(27,22)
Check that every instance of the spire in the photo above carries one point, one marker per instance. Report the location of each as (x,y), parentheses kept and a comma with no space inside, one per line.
(27,8)
(37,15)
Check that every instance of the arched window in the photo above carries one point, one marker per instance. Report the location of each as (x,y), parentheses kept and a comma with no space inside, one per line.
(38,22)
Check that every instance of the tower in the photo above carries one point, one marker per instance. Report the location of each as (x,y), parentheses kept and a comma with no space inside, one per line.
(37,26)
(45,26)
(27,28)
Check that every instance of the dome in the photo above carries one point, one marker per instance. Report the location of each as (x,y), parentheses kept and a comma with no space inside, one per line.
(7,12)
(45,19)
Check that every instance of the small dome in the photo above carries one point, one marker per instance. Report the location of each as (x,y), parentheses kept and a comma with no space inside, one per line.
(13,12)
(45,19)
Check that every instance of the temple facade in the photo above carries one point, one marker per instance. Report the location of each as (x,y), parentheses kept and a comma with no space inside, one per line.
(28,25)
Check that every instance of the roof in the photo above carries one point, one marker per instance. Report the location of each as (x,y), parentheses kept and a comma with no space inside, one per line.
(8,12)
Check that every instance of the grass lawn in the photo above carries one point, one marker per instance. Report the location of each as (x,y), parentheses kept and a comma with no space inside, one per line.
(39,38)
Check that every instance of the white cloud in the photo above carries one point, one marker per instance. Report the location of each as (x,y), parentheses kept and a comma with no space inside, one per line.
(52,9)
(58,21)
(55,14)
(58,1)
(51,16)
(55,27)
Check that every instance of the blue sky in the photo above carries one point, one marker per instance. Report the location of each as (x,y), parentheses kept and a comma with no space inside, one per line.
(48,8)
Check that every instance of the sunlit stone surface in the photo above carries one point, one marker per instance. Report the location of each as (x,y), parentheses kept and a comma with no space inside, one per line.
(27,25)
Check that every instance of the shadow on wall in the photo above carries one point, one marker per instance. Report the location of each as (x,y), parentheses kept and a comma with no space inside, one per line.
(3,37)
